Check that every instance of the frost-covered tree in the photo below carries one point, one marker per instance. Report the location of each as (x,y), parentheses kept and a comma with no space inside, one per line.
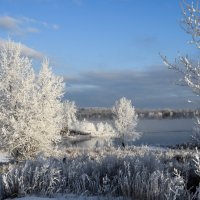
(105,129)
(125,120)
(16,89)
(30,107)
(49,117)
(70,111)
(187,67)
(84,126)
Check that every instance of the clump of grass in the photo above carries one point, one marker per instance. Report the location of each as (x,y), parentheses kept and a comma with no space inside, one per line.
(137,173)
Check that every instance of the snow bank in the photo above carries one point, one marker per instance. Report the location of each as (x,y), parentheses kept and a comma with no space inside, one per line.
(4,157)
(70,197)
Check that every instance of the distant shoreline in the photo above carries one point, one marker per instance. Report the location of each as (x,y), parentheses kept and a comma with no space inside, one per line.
(106,113)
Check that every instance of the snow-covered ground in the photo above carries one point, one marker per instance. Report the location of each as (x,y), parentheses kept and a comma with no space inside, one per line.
(71,197)
(4,157)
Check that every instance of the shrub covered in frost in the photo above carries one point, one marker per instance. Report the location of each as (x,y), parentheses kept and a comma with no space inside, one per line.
(125,120)
(70,110)
(135,173)
(84,126)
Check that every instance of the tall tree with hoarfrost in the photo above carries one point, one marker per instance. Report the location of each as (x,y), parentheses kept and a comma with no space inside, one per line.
(30,107)
(125,120)
(188,68)
(49,117)
(16,88)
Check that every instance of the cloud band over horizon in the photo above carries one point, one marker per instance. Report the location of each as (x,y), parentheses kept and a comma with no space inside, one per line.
(153,88)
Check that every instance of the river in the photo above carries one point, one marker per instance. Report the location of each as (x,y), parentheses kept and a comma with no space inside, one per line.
(164,131)
(156,132)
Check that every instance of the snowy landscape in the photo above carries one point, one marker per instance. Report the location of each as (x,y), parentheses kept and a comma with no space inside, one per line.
(53,148)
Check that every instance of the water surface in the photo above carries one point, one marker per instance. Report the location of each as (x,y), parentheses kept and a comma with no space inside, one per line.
(155,132)
(164,131)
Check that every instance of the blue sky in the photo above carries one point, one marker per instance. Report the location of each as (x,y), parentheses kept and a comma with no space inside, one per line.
(105,49)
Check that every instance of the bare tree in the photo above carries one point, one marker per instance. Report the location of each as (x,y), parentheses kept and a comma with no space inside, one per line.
(187,67)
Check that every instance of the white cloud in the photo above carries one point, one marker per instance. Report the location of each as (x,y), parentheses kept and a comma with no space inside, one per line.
(55,26)
(32,53)
(81,87)
(27,51)
(9,24)
(24,25)
(39,23)
(32,30)
(152,88)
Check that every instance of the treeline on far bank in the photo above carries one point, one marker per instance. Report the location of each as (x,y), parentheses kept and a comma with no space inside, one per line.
(106,113)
